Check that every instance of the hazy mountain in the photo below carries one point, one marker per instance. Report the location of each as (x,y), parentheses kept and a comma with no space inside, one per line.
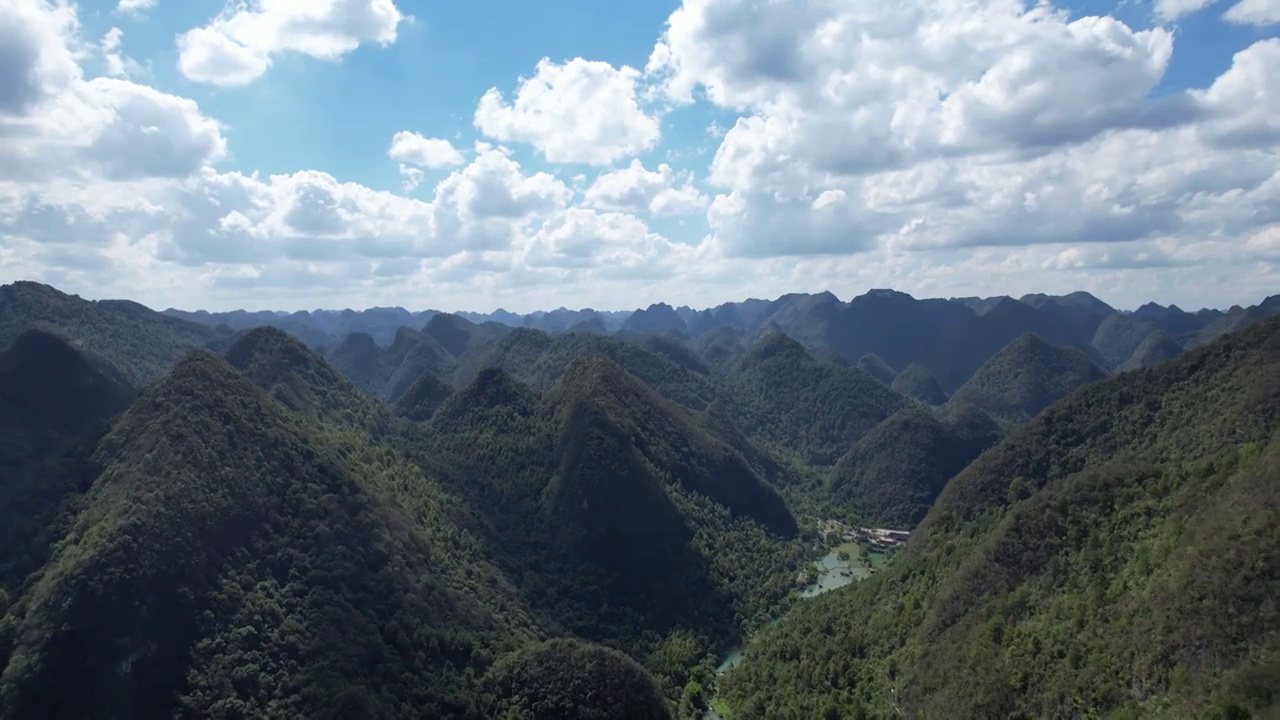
(1026,377)
(421,400)
(1119,336)
(458,335)
(872,365)
(785,398)
(917,383)
(657,318)
(1155,349)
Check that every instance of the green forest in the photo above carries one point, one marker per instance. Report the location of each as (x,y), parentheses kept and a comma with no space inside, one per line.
(466,519)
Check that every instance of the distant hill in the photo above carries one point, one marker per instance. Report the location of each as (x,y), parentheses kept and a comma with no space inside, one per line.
(784,397)
(657,318)
(917,383)
(893,474)
(298,378)
(1026,377)
(421,400)
(872,365)
(458,335)
(141,343)
(1155,349)
(1080,560)
(48,384)
(1119,336)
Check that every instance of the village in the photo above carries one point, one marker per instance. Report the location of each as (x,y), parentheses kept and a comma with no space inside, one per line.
(881,540)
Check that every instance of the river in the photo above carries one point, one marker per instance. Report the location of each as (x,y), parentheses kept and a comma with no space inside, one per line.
(833,572)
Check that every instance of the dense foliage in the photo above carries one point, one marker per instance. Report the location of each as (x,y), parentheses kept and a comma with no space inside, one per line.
(392,527)
(1116,555)
(1026,377)
(569,680)
(790,401)
(893,474)
(917,383)
(141,344)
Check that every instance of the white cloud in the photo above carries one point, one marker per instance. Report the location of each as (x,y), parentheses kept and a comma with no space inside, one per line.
(1170,10)
(634,189)
(612,243)
(933,147)
(410,177)
(237,46)
(117,63)
(578,112)
(134,6)
(872,127)
(415,149)
(1254,12)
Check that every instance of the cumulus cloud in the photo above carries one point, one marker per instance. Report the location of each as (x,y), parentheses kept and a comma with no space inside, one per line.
(415,149)
(636,190)
(613,244)
(237,46)
(942,125)
(579,112)
(1170,10)
(918,145)
(1254,12)
(133,6)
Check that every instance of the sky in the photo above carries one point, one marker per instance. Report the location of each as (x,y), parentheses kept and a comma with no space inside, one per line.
(296,154)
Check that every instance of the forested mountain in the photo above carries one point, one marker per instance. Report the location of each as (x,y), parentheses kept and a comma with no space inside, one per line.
(917,383)
(1115,555)
(1026,377)
(892,475)
(141,344)
(951,338)
(387,513)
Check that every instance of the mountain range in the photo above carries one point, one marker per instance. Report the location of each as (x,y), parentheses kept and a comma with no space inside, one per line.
(394,514)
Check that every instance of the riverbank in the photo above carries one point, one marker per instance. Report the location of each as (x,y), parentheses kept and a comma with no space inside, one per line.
(842,565)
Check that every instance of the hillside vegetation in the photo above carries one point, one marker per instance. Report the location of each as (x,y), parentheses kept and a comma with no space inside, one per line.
(1115,555)
(388,513)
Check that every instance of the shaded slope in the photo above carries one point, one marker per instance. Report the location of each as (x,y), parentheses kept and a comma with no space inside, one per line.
(1082,567)
(894,473)
(516,352)
(298,377)
(458,335)
(917,383)
(141,343)
(657,318)
(223,536)
(597,390)
(54,404)
(675,382)
(872,365)
(1026,377)
(1118,337)
(984,336)
(423,398)
(625,518)
(571,680)
(782,396)
(48,385)
(1155,349)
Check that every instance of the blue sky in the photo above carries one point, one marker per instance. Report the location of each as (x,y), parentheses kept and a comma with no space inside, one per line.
(243,154)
